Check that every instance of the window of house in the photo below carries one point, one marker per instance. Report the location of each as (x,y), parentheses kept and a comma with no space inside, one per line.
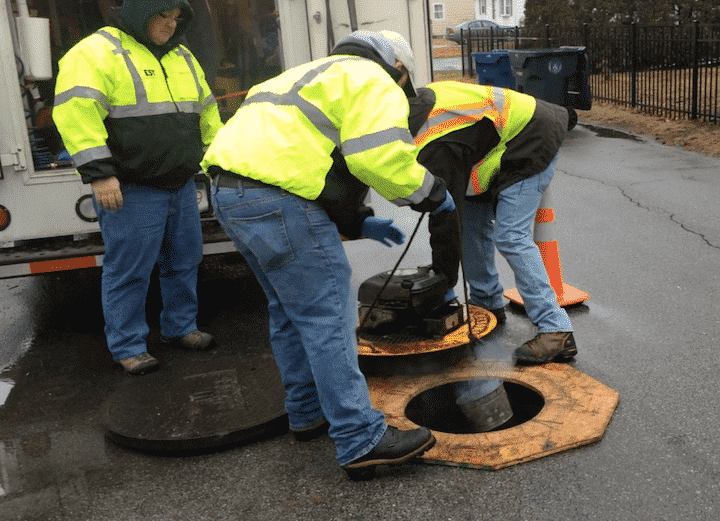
(438,11)
(505,7)
(483,6)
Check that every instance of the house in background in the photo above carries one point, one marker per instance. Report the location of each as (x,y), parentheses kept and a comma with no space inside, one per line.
(449,13)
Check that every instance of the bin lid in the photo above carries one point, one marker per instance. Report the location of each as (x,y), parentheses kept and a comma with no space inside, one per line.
(555,60)
(489,57)
(565,49)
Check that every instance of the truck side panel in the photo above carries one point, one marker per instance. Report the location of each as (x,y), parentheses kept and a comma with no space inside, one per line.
(48,222)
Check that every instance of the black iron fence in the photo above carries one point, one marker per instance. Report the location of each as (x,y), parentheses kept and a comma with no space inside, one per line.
(673,71)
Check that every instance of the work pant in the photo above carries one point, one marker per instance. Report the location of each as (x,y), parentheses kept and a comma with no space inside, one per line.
(153,226)
(296,254)
(510,229)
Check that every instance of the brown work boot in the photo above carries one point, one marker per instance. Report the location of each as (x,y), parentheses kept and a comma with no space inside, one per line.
(547,347)
(139,364)
(195,341)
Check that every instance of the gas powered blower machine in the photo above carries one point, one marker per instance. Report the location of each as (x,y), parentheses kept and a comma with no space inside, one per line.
(406,303)
(404,306)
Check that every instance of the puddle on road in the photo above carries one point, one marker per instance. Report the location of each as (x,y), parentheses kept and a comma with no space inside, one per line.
(5,388)
(38,464)
(610,132)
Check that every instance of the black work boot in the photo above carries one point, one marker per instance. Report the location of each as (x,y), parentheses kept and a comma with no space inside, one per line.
(499,315)
(499,312)
(395,447)
(547,347)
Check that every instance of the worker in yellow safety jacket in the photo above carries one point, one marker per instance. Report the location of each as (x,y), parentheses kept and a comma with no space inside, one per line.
(135,112)
(289,171)
(496,149)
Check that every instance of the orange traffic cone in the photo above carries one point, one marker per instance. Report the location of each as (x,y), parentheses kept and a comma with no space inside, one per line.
(547,243)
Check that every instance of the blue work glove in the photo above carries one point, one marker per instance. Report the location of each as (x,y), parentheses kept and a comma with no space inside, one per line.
(450,295)
(382,230)
(448,204)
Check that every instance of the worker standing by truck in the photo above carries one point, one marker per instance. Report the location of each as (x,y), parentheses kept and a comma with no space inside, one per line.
(135,112)
(296,157)
(496,149)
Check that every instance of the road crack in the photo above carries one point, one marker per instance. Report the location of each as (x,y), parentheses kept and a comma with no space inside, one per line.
(637,203)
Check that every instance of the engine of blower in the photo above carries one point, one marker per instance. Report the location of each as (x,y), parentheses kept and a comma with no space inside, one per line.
(408,302)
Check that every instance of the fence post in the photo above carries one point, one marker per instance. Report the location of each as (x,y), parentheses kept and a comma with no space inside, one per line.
(633,65)
(470,51)
(694,56)
(517,37)
(547,36)
(462,52)
(585,37)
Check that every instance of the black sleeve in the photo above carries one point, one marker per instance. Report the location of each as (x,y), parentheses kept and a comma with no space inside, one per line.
(97,169)
(451,158)
(445,161)
(343,198)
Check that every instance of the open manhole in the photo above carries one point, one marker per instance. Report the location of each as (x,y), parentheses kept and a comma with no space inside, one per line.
(438,408)
(555,408)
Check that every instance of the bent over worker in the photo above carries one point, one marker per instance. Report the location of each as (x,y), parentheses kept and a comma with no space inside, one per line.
(496,149)
(294,159)
(134,110)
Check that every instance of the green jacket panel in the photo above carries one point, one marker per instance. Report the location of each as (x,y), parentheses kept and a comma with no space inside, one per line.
(146,120)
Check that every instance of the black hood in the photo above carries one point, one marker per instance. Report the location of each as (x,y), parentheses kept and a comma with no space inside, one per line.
(135,14)
(420,107)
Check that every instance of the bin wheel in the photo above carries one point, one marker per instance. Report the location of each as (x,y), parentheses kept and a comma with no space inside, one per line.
(573,118)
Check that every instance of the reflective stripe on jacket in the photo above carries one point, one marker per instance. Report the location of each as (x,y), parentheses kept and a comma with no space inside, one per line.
(459,105)
(115,99)
(287,128)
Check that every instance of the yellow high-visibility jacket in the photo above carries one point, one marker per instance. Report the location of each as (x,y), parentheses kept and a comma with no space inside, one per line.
(459,105)
(122,111)
(286,131)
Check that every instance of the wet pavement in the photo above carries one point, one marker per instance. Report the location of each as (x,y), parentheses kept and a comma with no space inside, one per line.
(639,229)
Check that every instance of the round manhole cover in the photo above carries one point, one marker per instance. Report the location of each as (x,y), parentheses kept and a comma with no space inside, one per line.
(482,322)
(198,402)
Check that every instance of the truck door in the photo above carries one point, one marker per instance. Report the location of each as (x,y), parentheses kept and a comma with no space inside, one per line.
(327,21)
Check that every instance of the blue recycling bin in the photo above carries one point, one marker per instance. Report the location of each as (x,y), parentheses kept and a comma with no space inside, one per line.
(493,68)
(559,75)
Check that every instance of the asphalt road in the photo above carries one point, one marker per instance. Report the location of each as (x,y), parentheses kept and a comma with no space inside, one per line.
(639,229)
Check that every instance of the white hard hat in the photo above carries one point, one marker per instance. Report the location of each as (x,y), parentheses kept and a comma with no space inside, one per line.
(403,52)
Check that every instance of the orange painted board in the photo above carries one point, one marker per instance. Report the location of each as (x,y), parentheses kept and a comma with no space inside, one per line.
(577,412)
(483,322)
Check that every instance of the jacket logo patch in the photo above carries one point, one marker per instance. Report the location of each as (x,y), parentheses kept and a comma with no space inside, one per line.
(149,72)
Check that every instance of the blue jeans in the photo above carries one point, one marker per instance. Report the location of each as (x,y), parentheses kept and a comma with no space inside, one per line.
(153,226)
(296,254)
(510,229)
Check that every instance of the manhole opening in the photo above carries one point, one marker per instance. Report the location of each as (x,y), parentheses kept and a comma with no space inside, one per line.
(437,408)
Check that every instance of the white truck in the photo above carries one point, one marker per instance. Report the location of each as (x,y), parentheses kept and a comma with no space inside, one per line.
(47,221)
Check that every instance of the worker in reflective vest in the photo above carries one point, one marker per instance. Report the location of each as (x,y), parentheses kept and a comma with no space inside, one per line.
(289,170)
(135,112)
(496,150)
